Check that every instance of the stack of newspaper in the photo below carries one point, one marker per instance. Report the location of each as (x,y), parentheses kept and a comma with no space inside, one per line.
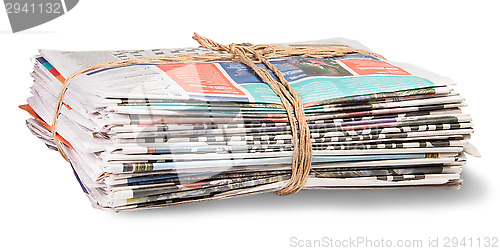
(152,135)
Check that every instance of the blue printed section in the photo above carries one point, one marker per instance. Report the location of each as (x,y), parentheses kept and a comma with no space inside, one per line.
(243,74)
(293,68)
(45,64)
(41,60)
(319,79)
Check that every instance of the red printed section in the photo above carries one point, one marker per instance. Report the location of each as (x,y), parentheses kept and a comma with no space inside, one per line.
(371,67)
(202,78)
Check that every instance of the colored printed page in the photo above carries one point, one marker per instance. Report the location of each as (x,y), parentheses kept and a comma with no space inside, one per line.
(314,80)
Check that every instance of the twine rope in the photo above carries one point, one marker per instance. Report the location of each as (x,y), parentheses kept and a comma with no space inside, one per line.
(249,55)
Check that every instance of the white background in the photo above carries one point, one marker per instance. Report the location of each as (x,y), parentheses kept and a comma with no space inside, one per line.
(44,208)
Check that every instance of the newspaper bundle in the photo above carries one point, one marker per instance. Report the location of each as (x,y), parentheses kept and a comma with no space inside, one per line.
(154,135)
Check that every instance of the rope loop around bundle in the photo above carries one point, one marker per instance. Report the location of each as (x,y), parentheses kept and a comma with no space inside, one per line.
(250,55)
